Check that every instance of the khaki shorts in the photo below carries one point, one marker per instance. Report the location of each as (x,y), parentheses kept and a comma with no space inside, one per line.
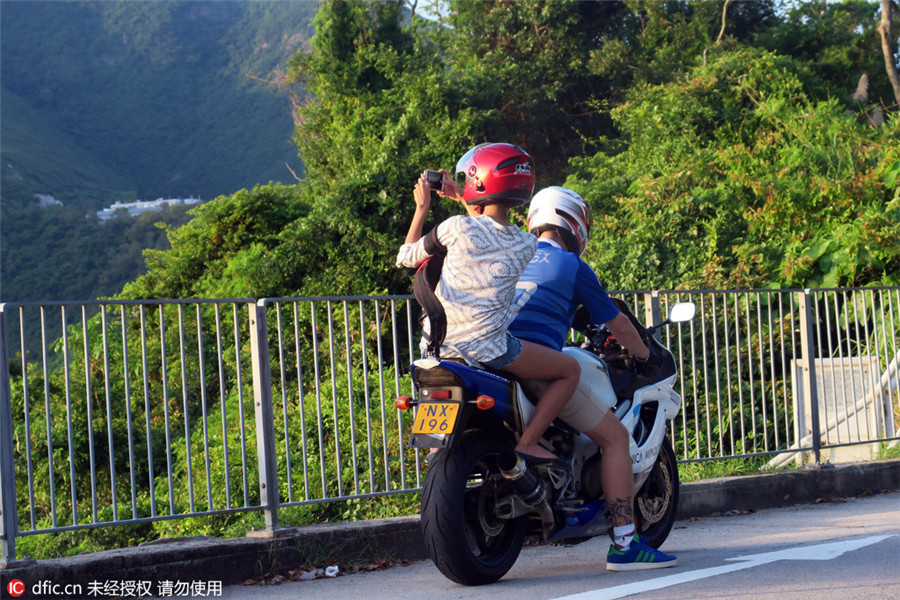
(583,412)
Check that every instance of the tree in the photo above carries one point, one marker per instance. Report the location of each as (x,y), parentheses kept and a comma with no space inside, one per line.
(375,117)
(887,47)
(735,177)
(391,94)
(521,70)
(231,248)
(654,42)
(838,43)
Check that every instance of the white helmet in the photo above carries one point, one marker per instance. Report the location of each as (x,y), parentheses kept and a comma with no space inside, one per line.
(564,210)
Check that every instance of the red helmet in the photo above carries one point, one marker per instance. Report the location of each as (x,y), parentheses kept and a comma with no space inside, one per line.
(496,173)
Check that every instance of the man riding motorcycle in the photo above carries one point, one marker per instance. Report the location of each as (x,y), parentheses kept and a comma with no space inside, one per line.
(555,283)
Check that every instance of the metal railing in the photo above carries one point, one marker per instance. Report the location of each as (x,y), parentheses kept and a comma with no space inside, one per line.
(127,412)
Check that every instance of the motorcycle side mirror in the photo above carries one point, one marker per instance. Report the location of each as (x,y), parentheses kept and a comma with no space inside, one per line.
(683,311)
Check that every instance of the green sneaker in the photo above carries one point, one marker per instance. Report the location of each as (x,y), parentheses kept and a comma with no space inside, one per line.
(639,556)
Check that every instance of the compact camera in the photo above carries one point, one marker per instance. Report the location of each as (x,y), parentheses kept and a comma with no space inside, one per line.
(435,179)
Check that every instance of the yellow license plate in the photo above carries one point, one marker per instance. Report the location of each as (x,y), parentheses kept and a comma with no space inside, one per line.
(435,417)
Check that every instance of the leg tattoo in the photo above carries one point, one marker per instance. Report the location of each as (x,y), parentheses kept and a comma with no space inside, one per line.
(620,511)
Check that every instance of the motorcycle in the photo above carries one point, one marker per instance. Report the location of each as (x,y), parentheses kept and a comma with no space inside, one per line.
(481,500)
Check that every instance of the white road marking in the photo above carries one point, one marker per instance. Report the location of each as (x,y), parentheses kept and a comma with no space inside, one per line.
(818,552)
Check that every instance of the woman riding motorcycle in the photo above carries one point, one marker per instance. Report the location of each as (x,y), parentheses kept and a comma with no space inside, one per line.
(483,257)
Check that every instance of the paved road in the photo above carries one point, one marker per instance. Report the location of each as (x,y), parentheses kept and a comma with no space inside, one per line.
(808,552)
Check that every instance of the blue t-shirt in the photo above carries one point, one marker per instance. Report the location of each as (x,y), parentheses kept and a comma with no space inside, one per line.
(554,284)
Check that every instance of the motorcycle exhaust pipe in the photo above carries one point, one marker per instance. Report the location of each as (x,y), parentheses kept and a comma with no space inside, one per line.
(531,489)
(527,484)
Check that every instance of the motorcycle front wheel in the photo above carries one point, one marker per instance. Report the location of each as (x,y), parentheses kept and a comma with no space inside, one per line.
(468,543)
(657,501)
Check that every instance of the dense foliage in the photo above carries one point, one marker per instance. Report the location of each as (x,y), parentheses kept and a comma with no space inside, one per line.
(230,249)
(104,256)
(716,156)
(737,177)
(719,153)
(171,428)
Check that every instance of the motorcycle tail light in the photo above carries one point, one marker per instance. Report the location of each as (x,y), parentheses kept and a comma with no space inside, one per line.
(440,394)
(484,402)
(403,402)
(436,377)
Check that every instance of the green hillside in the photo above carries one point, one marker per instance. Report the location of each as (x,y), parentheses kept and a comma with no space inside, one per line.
(39,158)
(168,94)
(105,101)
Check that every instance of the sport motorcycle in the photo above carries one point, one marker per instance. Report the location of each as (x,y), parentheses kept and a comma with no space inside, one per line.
(481,500)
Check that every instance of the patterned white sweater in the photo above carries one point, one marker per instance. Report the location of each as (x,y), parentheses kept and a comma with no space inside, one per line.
(478,281)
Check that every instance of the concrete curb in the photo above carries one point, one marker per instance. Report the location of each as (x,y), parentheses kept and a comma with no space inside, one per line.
(800,486)
(235,560)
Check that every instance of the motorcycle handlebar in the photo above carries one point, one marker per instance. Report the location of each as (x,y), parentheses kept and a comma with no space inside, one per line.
(615,356)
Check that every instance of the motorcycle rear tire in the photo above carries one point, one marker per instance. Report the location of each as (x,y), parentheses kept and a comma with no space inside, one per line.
(463,536)
(656,503)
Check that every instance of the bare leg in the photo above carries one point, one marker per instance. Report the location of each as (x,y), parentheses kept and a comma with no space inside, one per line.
(563,372)
(615,468)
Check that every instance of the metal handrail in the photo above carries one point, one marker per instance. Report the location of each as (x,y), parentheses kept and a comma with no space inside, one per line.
(134,411)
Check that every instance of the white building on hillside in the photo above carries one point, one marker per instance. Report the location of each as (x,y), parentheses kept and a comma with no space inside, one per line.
(133,209)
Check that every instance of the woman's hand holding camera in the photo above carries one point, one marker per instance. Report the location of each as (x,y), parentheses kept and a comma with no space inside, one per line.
(442,183)
(422,194)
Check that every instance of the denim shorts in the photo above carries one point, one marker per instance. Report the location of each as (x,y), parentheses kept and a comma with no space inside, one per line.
(513,350)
